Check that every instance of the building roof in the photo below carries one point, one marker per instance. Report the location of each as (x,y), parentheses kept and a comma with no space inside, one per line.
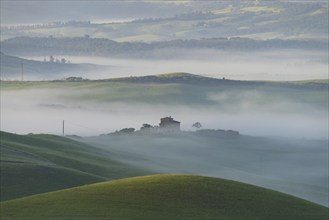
(169,119)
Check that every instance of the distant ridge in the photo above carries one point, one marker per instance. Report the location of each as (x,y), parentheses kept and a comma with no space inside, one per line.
(194,79)
(179,74)
(164,197)
(178,77)
(78,46)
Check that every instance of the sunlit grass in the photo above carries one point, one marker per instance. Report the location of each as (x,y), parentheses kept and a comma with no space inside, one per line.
(261,9)
(222,11)
(318,12)
(164,197)
(140,37)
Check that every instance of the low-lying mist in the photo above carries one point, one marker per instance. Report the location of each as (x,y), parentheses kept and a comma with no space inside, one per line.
(292,158)
(297,167)
(92,110)
(265,65)
(294,162)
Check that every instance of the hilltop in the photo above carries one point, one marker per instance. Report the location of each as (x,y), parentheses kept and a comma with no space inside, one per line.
(164,197)
(179,77)
(194,79)
(175,88)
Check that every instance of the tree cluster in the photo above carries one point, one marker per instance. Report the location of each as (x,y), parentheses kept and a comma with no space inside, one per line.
(53,59)
(104,47)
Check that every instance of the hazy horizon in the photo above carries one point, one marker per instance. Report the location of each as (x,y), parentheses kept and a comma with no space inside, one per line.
(288,65)
(268,63)
(162,21)
(19,12)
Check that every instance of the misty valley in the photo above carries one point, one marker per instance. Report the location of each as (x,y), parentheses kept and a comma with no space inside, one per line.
(183,110)
(272,149)
(280,164)
(93,107)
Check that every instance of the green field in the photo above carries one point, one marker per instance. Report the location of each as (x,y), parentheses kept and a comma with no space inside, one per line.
(163,197)
(32,164)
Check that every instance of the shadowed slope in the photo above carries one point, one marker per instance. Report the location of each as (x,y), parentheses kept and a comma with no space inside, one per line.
(32,164)
(11,68)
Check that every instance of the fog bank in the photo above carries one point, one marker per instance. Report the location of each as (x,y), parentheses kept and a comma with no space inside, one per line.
(297,167)
(43,110)
(279,65)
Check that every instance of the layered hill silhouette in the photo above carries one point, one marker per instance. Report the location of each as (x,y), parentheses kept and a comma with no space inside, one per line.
(11,68)
(163,197)
(194,79)
(32,164)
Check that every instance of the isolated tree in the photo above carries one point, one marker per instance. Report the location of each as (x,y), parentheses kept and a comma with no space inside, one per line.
(51,59)
(197,125)
(146,127)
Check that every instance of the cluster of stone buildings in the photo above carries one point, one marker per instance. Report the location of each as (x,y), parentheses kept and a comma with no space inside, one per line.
(169,125)
(166,125)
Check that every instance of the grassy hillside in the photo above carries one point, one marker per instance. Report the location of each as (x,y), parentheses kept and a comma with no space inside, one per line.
(294,166)
(32,164)
(163,197)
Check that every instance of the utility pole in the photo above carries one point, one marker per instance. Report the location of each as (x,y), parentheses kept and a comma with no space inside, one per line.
(63,128)
(22,72)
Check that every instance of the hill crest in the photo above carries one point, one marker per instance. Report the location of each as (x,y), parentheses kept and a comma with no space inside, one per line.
(165,197)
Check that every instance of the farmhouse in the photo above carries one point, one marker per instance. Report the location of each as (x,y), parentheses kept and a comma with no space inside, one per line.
(168,124)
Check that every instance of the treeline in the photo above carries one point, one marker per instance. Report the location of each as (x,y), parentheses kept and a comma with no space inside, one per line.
(105,47)
(48,25)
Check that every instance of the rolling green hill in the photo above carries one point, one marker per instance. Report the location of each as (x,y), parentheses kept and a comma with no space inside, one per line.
(32,164)
(163,197)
